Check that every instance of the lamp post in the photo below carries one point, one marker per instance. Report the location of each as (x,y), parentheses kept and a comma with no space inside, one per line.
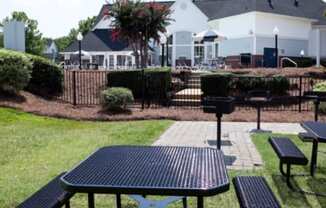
(163,41)
(80,38)
(276,33)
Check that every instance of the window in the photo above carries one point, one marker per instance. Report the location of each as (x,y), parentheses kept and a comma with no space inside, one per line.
(199,54)
(216,50)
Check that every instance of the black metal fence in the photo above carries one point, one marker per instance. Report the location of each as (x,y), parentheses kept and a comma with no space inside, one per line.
(83,87)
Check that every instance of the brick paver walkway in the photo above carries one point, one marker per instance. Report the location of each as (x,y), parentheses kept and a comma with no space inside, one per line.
(239,150)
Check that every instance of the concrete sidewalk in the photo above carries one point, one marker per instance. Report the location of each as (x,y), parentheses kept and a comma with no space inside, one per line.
(239,150)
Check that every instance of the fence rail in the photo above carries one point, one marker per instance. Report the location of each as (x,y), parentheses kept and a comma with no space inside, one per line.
(84,87)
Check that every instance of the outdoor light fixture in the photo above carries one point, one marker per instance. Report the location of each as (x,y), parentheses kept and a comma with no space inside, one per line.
(276,32)
(302,53)
(80,38)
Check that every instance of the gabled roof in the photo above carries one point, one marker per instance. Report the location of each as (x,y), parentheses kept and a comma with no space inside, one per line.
(216,9)
(311,9)
(99,40)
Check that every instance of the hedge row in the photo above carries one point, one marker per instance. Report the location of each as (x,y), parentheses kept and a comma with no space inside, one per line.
(46,78)
(15,71)
(222,84)
(38,75)
(157,81)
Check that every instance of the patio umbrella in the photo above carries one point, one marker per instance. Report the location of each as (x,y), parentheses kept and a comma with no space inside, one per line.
(83,53)
(212,35)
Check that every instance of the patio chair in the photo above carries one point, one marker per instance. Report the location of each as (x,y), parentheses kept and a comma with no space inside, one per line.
(51,195)
(253,192)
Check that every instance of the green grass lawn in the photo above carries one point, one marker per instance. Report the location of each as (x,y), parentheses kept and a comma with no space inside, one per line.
(34,149)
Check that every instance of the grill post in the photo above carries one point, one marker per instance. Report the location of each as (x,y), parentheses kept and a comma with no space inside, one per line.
(218,136)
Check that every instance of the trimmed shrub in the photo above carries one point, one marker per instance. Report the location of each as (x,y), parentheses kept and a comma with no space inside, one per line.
(117,98)
(278,85)
(15,71)
(222,84)
(247,83)
(218,84)
(47,77)
(321,87)
(156,81)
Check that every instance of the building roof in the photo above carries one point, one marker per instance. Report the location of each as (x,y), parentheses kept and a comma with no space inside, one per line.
(216,9)
(99,40)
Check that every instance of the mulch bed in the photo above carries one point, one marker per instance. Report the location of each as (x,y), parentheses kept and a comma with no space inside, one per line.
(28,102)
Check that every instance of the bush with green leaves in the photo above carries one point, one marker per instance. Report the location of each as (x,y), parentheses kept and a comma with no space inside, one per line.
(321,87)
(15,71)
(117,98)
(47,77)
(158,80)
(222,84)
(217,84)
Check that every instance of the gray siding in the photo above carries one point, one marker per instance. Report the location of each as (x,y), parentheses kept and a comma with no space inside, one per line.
(234,47)
(323,44)
(288,47)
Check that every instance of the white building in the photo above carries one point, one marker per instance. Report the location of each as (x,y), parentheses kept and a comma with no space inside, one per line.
(51,50)
(247,25)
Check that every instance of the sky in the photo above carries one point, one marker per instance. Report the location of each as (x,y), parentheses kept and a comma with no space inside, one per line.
(55,17)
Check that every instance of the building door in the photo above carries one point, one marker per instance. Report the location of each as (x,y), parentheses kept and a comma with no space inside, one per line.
(269,58)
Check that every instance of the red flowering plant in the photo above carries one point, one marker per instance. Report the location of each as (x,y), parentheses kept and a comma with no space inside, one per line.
(138,23)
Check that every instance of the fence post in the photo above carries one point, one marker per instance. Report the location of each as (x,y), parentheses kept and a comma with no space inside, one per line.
(143,89)
(74,87)
(300,94)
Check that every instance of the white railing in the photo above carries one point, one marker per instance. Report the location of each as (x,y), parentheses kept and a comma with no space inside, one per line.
(288,59)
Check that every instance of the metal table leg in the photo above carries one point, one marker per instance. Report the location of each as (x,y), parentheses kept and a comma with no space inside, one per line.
(218,135)
(184,202)
(258,117)
(200,202)
(313,163)
(317,102)
(91,203)
(118,200)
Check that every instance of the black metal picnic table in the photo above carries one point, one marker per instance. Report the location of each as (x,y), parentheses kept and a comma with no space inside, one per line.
(318,131)
(149,170)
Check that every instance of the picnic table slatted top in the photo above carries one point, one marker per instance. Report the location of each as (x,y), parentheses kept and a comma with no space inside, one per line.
(317,129)
(152,170)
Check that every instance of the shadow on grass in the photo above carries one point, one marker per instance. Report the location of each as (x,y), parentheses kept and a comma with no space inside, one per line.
(229,160)
(289,198)
(318,185)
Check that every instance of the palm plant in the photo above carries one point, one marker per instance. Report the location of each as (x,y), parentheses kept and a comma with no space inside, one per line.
(138,23)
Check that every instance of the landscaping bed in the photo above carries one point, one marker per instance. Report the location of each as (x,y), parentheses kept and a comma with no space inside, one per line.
(55,108)
(35,149)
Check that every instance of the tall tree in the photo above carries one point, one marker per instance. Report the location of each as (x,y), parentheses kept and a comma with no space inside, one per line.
(34,42)
(139,23)
(84,26)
